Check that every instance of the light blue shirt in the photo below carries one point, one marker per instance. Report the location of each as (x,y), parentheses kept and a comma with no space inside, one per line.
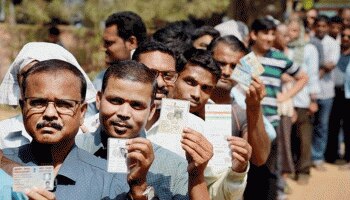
(167,174)
(240,99)
(6,192)
(81,176)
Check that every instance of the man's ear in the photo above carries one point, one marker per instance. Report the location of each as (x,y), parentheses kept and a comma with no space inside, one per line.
(253,35)
(131,43)
(83,109)
(152,111)
(98,99)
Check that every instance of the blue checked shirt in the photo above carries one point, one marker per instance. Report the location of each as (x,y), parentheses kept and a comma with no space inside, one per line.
(167,174)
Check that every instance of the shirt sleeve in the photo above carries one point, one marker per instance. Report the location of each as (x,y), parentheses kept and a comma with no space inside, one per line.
(312,65)
(227,185)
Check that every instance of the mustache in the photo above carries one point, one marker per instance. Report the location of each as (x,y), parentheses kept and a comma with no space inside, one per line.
(162,91)
(121,123)
(54,125)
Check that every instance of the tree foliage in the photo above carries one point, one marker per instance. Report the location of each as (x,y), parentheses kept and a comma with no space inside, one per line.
(93,12)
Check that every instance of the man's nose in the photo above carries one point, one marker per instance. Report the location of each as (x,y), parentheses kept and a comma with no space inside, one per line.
(124,111)
(50,111)
(226,71)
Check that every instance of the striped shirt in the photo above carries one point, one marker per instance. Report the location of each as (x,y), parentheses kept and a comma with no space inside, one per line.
(275,64)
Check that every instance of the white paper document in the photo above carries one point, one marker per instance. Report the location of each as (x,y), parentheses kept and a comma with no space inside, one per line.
(218,126)
(116,156)
(27,177)
(173,118)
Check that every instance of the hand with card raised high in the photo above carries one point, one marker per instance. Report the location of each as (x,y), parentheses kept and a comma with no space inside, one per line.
(255,93)
(140,157)
(40,194)
(241,152)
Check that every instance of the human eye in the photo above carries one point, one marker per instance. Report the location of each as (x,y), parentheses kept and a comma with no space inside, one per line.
(116,101)
(64,103)
(191,81)
(207,88)
(37,102)
(138,105)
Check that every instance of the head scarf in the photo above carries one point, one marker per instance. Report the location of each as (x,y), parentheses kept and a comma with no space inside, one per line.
(229,27)
(37,51)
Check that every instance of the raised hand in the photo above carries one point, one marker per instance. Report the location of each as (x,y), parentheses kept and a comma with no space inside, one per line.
(198,151)
(40,194)
(255,93)
(241,152)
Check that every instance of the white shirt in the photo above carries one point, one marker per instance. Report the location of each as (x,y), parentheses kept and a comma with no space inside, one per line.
(331,51)
(311,66)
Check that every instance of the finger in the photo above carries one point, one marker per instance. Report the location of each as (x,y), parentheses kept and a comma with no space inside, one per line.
(240,150)
(194,150)
(140,147)
(45,193)
(139,140)
(33,194)
(197,138)
(238,157)
(196,159)
(141,158)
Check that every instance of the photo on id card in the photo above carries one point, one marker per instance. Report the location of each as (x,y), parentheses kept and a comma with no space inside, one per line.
(117,155)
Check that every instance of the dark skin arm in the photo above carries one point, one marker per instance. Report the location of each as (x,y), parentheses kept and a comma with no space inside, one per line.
(256,134)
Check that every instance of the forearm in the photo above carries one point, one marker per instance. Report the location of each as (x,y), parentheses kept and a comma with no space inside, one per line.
(197,188)
(257,136)
(298,85)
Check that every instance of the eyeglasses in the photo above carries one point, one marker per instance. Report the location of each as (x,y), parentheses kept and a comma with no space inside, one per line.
(168,76)
(63,106)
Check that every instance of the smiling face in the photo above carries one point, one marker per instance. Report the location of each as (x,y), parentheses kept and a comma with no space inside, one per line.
(321,30)
(49,126)
(194,84)
(125,106)
(227,59)
(263,40)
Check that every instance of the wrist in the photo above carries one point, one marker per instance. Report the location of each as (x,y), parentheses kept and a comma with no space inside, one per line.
(137,190)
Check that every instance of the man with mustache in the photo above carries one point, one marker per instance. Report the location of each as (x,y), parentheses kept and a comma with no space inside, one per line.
(126,103)
(53,107)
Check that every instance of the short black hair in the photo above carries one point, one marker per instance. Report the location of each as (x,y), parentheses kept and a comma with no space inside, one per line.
(55,65)
(128,24)
(149,46)
(322,18)
(205,30)
(133,71)
(232,41)
(176,36)
(202,58)
(263,24)
(53,30)
(336,20)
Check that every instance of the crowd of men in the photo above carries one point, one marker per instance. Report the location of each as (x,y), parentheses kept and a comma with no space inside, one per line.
(287,121)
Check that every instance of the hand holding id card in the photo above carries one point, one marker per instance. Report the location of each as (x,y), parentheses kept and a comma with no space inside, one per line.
(249,66)
(117,155)
(27,177)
